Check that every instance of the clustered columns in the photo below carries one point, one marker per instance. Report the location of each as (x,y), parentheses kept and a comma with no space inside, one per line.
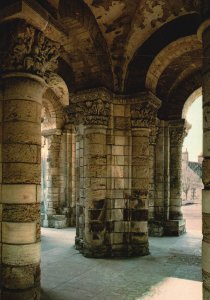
(143,117)
(204,33)
(94,114)
(177,132)
(23,64)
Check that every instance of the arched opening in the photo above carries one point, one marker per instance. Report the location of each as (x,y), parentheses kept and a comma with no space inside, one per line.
(192,185)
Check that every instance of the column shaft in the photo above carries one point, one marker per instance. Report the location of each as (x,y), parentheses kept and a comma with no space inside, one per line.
(20,186)
(138,204)
(206,166)
(177,132)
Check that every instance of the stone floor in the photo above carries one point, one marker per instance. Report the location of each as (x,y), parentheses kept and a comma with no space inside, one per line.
(172,270)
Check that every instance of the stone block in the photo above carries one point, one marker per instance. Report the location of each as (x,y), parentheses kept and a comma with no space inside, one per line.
(121,226)
(141,227)
(119,160)
(29,294)
(19,89)
(174,227)
(205,256)
(96,138)
(118,171)
(119,183)
(17,278)
(18,233)
(206,172)
(121,123)
(118,150)
(22,110)
(121,140)
(119,110)
(155,228)
(22,132)
(21,255)
(140,172)
(139,238)
(20,153)
(206,201)
(116,238)
(18,193)
(117,214)
(21,173)
(21,213)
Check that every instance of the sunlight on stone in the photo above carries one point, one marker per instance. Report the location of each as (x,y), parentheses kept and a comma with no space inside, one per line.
(182,289)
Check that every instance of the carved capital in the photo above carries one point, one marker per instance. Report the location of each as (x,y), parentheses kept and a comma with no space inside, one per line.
(91,107)
(24,48)
(70,115)
(178,130)
(95,112)
(143,115)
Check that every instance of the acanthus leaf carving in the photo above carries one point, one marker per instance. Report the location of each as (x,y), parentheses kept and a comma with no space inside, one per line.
(28,50)
(95,112)
(178,132)
(143,115)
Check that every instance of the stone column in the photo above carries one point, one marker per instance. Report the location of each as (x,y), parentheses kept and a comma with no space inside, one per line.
(177,133)
(23,64)
(93,110)
(53,178)
(204,34)
(152,162)
(143,116)
(70,173)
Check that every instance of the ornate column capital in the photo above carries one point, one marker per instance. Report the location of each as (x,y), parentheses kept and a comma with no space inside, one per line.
(23,48)
(144,112)
(178,130)
(92,107)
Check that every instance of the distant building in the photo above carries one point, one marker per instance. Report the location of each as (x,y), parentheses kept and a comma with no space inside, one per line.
(192,184)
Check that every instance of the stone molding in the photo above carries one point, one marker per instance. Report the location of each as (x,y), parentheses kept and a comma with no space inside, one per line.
(23,48)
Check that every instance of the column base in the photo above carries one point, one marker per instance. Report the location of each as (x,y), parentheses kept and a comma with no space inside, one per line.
(156,228)
(29,294)
(111,251)
(55,221)
(167,228)
(174,227)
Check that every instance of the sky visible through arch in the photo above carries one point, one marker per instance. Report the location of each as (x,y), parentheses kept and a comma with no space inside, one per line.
(194,140)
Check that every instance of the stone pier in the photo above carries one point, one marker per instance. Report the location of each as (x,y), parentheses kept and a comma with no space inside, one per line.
(21,91)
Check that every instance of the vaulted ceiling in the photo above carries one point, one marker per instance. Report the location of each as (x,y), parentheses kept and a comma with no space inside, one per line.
(127,46)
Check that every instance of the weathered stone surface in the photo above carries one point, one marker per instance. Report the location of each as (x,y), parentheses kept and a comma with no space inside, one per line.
(20,213)
(30,294)
(18,193)
(21,255)
(21,173)
(18,233)
(20,277)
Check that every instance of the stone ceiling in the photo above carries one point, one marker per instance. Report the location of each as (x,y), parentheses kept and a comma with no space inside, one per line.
(118,44)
